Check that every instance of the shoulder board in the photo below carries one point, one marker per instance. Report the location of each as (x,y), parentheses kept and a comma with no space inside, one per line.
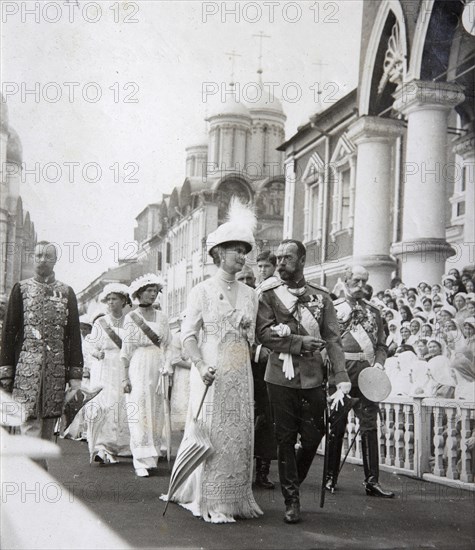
(339,301)
(318,287)
(264,286)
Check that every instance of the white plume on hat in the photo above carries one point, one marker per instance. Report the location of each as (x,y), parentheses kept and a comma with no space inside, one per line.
(241,224)
(114,288)
(143,281)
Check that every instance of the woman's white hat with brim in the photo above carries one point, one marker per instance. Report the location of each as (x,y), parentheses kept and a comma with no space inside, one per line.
(469,321)
(143,281)
(113,288)
(240,227)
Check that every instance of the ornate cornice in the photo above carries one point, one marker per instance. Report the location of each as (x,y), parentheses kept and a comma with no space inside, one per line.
(420,94)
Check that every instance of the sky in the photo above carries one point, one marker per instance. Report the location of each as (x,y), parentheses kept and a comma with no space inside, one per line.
(106,96)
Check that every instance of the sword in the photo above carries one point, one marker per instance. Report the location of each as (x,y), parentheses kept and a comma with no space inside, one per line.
(327,436)
(349,449)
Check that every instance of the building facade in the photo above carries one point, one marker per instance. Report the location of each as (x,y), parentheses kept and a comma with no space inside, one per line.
(238,156)
(17,231)
(385,176)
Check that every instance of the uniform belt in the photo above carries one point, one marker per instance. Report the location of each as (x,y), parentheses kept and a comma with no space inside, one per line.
(359,356)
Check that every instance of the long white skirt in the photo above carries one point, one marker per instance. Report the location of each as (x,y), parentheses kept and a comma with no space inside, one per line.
(145,406)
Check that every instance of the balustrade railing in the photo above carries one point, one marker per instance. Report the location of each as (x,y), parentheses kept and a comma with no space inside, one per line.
(428,438)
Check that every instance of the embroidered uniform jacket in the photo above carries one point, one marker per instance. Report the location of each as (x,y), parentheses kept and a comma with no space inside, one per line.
(308,366)
(361,330)
(41,346)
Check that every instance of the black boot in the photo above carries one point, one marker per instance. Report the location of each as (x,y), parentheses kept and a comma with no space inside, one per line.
(334,457)
(304,461)
(369,443)
(292,513)
(262,472)
(288,475)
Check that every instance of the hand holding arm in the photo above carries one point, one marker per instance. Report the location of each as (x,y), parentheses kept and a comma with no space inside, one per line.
(126,385)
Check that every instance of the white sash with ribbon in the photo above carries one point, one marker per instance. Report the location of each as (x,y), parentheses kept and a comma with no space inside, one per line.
(303,316)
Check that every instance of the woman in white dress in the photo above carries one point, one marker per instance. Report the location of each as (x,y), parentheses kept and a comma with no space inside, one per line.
(146,359)
(107,429)
(222,311)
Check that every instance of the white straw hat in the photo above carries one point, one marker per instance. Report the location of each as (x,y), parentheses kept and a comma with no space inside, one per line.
(114,288)
(143,281)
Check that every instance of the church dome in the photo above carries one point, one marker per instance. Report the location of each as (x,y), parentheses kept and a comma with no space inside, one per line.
(231,106)
(14,147)
(265,101)
(200,139)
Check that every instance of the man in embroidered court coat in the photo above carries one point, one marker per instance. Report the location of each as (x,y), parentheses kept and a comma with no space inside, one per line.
(296,320)
(364,344)
(41,345)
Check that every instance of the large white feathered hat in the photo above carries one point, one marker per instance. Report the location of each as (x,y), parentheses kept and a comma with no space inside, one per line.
(114,288)
(143,281)
(240,226)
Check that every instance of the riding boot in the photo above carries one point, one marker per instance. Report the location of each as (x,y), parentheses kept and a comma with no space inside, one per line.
(334,457)
(288,476)
(369,443)
(305,458)
(262,472)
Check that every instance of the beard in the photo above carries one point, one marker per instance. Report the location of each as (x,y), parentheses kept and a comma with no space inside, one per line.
(285,275)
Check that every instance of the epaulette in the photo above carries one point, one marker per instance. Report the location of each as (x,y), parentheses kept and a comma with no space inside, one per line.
(318,287)
(268,285)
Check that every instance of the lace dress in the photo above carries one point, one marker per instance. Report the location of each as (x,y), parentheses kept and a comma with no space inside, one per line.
(108,430)
(219,490)
(145,413)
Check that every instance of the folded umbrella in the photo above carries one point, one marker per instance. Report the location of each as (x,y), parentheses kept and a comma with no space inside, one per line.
(164,386)
(194,449)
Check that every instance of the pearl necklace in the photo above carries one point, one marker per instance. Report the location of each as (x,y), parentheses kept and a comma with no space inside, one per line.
(226,281)
(116,321)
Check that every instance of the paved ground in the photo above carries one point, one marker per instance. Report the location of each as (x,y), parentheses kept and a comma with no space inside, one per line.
(424,515)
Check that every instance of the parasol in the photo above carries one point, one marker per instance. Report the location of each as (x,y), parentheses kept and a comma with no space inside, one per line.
(194,449)
(163,387)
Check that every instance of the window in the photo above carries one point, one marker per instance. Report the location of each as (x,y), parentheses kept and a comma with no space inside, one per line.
(343,175)
(313,178)
(458,199)
(345,198)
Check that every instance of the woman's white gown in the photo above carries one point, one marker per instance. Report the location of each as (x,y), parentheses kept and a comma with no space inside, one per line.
(220,489)
(108,430)
(145,413)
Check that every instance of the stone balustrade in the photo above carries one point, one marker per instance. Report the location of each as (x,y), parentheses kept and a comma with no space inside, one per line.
(424,438)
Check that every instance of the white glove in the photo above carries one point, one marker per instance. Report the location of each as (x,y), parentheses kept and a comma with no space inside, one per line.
(336,399)
(288,365)
(281,329)
(345,387)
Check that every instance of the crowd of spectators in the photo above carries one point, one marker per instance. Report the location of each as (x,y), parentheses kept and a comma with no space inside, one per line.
(430,336)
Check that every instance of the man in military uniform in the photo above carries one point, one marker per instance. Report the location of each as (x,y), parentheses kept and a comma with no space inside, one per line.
(296,320)
(363,341)
(41,345)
